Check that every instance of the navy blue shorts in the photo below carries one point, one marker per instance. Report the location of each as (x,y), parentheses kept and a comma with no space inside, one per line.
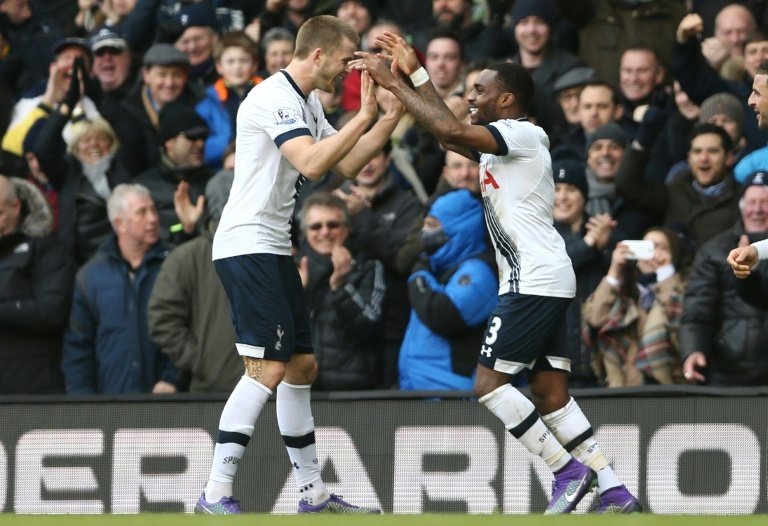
(526,332)
(268,307)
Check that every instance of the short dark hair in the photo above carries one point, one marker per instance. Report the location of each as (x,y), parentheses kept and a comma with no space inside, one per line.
(443,32)
(762,69)
(756,35)
(513,77)
(603,84)
(706,127)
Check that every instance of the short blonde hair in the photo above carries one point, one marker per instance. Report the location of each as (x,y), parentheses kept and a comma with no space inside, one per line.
(97,125)
(325,32)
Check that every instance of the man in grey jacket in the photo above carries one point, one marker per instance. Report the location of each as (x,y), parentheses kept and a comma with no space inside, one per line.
(189,313)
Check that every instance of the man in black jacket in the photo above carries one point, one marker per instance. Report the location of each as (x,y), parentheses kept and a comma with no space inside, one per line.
(36,279)
(179,176)
(345,294)
(722,338)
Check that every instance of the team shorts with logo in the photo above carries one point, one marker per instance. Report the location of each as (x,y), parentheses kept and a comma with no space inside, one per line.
(526,332)
(268,307)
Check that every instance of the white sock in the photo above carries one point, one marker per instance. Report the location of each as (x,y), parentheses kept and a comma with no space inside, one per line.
(235,429)
(520,418)
(294,416)
(572,429)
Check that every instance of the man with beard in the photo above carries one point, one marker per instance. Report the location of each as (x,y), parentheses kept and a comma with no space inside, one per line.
(478,39)
(527,329)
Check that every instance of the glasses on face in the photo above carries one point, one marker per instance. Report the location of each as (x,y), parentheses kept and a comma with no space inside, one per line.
(330,225)
(107,51)
(194,136)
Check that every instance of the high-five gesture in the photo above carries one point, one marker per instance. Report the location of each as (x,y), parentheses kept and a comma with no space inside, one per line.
(399,51)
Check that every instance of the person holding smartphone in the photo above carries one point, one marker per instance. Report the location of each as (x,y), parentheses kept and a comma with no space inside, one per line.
(631,318)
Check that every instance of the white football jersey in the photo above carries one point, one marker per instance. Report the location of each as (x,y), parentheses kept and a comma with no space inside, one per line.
(518,198)
(257,216)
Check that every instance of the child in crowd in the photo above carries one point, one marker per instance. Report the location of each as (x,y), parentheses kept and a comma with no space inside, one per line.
(237,61)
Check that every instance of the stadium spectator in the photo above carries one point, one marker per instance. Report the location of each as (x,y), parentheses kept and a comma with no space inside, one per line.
(286,14)
(345,294)
(237,61)
(82,176)
(196,35)
(277,50)
(164,79)
(608,27)
(700,202)
(452,293)
(381,215)
(732,25)
(32,38)
(458,172)
(188,313)
(177,182)
(36,278)
(72,60)
(700,81)
(112,66)
(641,74)
(95,15)
(598,105)
(533,24)
(605,150)
(586,238)
(567,90)
(478,39)
(723,338)
(107,348)
(633,317)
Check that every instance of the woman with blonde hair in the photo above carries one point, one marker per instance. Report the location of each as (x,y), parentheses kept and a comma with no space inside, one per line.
(83,178)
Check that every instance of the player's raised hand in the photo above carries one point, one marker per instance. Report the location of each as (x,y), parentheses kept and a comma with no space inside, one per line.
(742,259)
(368,106)
(375,67)
(398,50)
(388,103)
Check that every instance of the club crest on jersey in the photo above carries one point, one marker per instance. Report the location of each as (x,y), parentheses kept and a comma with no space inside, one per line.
(284,116)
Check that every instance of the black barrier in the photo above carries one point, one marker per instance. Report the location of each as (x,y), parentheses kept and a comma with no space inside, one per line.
(681,450)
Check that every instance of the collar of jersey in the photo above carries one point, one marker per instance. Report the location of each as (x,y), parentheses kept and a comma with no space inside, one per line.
(292,83)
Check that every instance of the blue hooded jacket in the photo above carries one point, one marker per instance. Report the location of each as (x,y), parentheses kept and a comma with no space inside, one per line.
(450,302)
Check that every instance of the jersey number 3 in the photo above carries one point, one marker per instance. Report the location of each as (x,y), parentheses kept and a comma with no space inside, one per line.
(492,335)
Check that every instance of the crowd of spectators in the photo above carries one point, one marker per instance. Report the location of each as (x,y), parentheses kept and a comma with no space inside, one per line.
(119,119)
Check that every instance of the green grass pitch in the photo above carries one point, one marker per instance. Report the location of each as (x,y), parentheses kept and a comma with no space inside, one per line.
(384,520)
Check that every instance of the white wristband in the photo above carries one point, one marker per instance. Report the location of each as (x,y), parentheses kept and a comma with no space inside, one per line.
(419,77)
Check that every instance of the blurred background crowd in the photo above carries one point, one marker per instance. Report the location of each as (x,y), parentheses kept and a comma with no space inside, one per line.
(119,120)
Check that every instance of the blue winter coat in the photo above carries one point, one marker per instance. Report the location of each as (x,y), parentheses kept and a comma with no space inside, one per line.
(106,345)
(220,115)
(450,302)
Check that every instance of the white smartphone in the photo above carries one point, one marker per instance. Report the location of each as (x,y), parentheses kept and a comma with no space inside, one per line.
(639,249)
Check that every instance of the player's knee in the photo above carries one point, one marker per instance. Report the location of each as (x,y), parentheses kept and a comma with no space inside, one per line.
(488,380)
(267,372)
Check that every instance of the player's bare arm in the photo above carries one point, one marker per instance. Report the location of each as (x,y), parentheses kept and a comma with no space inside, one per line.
(372,142)
(314,158)
(428,108)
